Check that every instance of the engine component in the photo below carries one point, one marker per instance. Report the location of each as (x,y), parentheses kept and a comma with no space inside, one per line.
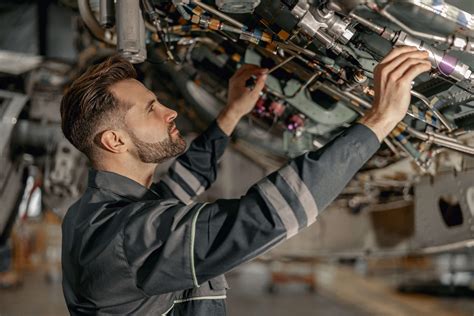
(311,19)
(328,84)
(321,56)
(88,16)
(448,65)
(107,14)
(233,6)
(269,109)
(429,194)
(11,104)
(346,6)
(130,31)
(294,122)
(442,18)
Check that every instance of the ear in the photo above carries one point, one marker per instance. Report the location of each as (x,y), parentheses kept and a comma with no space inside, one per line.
(113,141)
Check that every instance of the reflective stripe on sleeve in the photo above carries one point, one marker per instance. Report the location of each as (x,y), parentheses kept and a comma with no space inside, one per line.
(193,238)
(278,202)
(177,190)
(187,176)
(199,298)
(300,189)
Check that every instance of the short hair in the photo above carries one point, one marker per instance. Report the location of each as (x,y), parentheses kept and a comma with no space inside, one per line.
(89,105)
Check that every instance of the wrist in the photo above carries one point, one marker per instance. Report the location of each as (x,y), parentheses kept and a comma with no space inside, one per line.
(228,120)
(380,124)
(233,111)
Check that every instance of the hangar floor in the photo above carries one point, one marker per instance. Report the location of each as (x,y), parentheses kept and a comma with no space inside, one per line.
(339,291)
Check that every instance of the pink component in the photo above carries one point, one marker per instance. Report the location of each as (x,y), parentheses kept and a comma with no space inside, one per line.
(294,122)
(277,109)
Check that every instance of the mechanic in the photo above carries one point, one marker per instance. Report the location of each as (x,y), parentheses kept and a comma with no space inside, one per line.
(135,246)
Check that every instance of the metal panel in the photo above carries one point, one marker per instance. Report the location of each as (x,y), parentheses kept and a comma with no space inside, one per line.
(431,230)
(11,105)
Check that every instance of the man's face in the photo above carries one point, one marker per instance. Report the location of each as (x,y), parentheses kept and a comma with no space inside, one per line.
(149,124)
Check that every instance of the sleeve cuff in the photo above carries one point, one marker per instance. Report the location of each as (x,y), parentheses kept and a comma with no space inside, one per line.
(214,131)
(367,137)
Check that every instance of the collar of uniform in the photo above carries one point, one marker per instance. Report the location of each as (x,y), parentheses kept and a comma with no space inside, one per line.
(120,185)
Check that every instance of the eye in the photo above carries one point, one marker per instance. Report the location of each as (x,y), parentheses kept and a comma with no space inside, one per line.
(152,107)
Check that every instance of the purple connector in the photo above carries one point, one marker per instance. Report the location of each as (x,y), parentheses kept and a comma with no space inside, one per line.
(447,64)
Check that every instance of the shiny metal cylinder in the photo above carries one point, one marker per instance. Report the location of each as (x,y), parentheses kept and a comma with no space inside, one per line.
(235,6)
(346,6)
(223,16)
(448,65)
(329,42)
(130,31)
(441,140)
(107,14)
(336,26)
(309,24)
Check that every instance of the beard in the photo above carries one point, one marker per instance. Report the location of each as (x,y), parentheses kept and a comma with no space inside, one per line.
(160,151)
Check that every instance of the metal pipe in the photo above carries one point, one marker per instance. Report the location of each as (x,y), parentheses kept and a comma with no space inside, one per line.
(438,114)
(180,8)
(107,14)
(397,134)
(130,31)
(440,140)
(446,64)
(452,145)
(389,34)
(423,116)
(219,14)
(368,24)
(454,42)
(391,146)
(400,146)
(329,42)
(365,103)
(279,65)
(343,95)
(92,24)
(407,29)
(297,49)
(441,136)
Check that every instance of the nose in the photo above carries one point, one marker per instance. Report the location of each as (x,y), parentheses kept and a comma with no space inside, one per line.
(170,115)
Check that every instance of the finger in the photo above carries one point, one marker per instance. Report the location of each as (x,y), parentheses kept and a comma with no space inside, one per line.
(388,67)
(243,69)
(397,51)
(259,84)
(414,72)
(246,73)
(243,80)
(249,66)
(399,71)
(246,67)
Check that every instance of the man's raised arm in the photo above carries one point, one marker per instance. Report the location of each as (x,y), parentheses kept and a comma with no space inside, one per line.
(222,235)
(193,172)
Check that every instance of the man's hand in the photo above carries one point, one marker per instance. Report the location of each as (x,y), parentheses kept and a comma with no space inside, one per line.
(241,98)
(393,77)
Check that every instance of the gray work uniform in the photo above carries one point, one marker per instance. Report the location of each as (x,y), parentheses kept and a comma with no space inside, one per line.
(132,250)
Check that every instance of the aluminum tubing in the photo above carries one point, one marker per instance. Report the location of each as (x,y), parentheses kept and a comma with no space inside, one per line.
(130,31)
